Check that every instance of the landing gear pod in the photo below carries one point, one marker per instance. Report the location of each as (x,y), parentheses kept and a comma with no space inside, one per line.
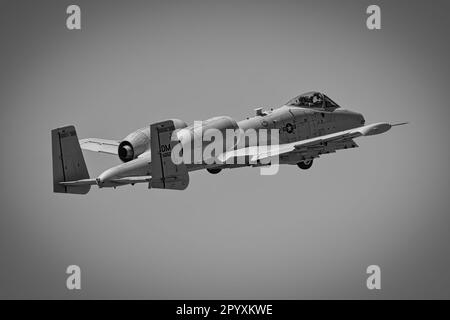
(214,170)
(306,164)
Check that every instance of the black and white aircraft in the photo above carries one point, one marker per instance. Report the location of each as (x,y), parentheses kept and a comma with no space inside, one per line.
(307,127)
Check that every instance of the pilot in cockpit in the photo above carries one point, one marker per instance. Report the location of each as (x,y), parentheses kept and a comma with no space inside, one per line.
(317,100)
(308,100)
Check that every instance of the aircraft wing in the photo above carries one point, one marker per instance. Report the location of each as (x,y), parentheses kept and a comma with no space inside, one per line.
(100,145)
(310,147)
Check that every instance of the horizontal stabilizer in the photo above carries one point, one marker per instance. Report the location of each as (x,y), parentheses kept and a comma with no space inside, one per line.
(100,145)
(83,182)
(133,180)
(113,182)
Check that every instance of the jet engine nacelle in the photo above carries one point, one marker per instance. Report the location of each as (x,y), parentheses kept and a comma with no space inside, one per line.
(138,142)
(198,136)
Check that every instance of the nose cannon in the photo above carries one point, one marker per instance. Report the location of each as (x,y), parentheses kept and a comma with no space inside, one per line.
(361,119)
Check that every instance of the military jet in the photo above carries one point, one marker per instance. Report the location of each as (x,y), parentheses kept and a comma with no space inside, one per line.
(308,126)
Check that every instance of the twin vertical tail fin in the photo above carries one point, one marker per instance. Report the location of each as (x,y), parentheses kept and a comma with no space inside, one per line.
(70,174)
(68,162)
(165,173)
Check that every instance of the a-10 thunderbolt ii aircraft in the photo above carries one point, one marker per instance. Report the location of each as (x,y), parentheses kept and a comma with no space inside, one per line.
(308,126)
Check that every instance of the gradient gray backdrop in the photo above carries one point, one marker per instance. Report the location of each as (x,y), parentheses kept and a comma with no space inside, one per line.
(299,234)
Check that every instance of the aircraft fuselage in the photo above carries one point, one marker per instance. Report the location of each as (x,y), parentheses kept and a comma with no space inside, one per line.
(293,124)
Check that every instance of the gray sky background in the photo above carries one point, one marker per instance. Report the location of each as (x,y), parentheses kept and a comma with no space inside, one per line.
(299,234)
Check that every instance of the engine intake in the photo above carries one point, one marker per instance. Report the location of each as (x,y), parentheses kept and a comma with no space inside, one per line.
(134,144)
(138,142)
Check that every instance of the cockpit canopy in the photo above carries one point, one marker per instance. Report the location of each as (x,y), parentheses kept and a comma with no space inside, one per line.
(313,100)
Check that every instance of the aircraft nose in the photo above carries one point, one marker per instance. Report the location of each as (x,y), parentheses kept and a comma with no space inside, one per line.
(356,119)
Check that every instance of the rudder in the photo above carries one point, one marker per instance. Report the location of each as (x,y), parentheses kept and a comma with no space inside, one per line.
(165,173)
(68,161)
